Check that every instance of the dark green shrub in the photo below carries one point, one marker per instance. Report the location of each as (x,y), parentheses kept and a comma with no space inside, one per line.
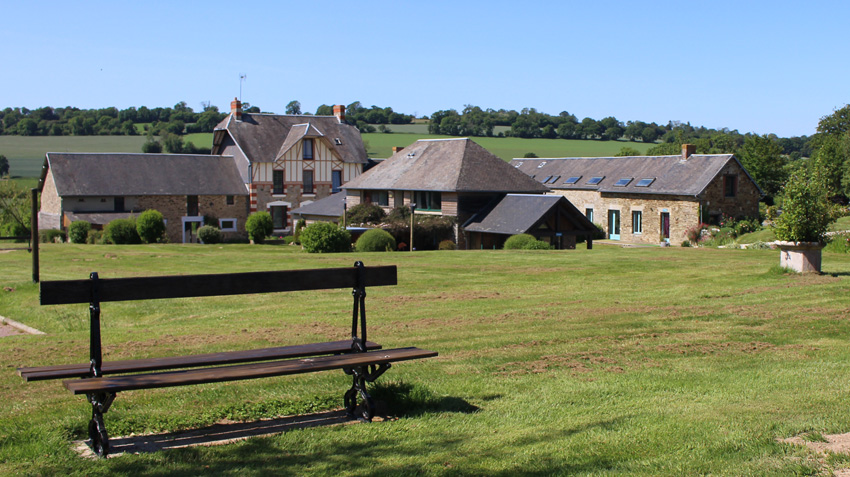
(150,226)
(79,231)
(325,237)
(209,234)
(375,240)
(51,236)
(537,245)
(686,243)
(399,214)
(364,214)
(428,231)
(94,237)
(211,220)
(447,245)
(519,241)
(121,231)
(259,225)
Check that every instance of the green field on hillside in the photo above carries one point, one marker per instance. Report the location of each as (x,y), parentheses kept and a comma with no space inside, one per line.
(380,145)
(626,361)
(26,153)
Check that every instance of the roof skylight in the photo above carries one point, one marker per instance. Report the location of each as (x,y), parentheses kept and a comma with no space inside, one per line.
(554,179)
(645,182)
(572,180)
(623,182)
(541,164)
(595,180)
(546,179)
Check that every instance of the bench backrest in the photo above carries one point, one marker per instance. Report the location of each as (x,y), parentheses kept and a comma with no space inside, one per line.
(95,290)
(184,286)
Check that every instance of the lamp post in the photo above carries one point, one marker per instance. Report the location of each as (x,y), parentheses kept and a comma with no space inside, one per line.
(344,210)
(412,213)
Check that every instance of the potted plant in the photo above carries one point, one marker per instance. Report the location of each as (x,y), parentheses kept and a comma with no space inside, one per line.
(801,228)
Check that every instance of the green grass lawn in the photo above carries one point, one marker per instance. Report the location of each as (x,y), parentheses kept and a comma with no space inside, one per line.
(641,361)
(380,145)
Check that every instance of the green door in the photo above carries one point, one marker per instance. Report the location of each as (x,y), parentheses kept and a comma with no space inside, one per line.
(614,224)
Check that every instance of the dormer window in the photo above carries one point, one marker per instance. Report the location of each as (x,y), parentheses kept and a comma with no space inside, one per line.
(337,141)
(308,149)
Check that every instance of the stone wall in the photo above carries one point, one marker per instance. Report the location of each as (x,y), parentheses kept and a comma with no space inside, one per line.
(684,213)
(173,209)
(745,203)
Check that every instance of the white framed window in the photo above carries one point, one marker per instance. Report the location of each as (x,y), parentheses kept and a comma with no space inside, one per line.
(227,225)
(637,222)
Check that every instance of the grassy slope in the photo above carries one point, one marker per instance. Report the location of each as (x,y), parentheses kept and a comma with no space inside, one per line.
(26,154)
(380,145)
(643,361)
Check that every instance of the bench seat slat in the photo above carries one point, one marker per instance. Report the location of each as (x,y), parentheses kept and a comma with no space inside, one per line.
(243,371)
(212,359)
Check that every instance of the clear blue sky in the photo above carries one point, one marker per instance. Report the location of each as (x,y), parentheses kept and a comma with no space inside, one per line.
(754,66)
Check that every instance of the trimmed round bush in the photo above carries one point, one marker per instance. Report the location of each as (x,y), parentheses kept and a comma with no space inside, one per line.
(209,234)
(519,241)
(375,240)
(447,245)
(325,237)
(259,225)
(150,226)
(78,231)
(121,231)
(537,245)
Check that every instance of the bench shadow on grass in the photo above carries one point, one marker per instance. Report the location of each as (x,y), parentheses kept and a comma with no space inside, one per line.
(395,399)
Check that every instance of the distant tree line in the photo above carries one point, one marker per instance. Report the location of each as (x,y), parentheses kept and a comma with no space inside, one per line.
(70,121)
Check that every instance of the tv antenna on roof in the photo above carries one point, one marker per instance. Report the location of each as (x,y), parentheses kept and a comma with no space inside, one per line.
(242,77)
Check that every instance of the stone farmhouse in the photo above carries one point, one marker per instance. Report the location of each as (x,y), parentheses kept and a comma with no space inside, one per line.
(287,161)
(101,187)
(443,177)
(650,199)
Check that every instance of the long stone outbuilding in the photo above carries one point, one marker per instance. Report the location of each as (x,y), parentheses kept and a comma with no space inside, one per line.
(650,199)
(186,189)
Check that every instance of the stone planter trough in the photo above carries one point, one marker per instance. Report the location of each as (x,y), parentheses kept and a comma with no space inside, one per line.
(801,257)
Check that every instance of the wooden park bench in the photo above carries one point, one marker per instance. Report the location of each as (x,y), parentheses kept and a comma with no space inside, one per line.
(100,381)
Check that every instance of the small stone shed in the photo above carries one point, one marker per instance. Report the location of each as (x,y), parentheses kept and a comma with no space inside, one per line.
(550,218)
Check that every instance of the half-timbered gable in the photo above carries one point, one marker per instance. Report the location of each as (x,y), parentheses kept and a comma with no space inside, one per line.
(289,160)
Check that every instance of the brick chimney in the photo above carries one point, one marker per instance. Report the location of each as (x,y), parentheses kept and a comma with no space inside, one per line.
(397,149)
(236,109)
(688,150)
(339,112)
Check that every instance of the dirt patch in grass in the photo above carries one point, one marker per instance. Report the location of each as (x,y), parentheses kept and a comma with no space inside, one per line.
(725,347)
(576,363)
(825,444)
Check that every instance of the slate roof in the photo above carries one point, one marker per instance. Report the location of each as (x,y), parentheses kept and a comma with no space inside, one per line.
(672,175)
(331,206)
(108,174)
(445,165)
(518,213)
(262,136)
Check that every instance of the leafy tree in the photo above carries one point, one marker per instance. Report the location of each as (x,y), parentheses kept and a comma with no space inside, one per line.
(78,231)
(173,143)
(664,149)
(294,107)
(152,146)
(15,210)
(150,225)
(325,110)
(259,225)
(4,166)
(325,237)
(121,231)
(806,211)
(364,214)
(627,151)
(762,158)
(28,127)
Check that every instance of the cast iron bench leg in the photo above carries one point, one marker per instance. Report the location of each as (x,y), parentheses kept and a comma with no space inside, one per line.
(362,375)
(100,403)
